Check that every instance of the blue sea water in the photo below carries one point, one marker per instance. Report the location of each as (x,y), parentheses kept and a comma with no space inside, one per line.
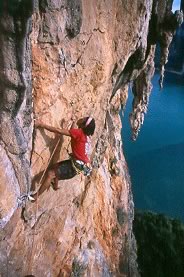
(156,159)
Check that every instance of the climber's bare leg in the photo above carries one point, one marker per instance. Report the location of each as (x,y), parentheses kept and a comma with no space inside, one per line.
(46,184)
(55,184)
(36,180)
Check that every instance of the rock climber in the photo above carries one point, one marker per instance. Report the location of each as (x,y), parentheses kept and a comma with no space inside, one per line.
(79,158)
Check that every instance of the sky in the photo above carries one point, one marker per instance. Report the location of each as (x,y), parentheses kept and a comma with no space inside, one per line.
(176,5)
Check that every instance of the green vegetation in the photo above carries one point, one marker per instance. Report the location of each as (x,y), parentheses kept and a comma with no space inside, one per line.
(77,269)
(160,243)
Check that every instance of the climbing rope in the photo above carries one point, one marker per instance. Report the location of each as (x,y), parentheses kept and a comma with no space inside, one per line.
(25,197)
(36,212)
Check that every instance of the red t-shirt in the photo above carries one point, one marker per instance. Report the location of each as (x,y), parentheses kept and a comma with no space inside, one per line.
(80,145)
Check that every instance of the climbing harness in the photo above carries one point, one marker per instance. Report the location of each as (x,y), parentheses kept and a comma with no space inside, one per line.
(80,166)
(87,170)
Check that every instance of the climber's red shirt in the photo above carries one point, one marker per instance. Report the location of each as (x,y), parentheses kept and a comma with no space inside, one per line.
(80,144)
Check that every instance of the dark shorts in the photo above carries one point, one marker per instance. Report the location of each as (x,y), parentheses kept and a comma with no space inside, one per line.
(64,170)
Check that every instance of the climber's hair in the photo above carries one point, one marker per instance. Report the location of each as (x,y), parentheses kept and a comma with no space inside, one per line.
(87,124)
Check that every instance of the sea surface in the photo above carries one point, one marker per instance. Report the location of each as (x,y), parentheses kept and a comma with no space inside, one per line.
(156,159)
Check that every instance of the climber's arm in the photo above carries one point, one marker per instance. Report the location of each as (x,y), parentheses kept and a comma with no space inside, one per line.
(73,125)
(59,131)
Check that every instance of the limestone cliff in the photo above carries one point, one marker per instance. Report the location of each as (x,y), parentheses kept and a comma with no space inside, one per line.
(176,53)
(59,59)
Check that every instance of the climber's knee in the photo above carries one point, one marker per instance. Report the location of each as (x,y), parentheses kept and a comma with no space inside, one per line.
(51,174)
(55,184)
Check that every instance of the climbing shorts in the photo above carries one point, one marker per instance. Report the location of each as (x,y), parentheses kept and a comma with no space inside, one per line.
(67,169)
(64,170)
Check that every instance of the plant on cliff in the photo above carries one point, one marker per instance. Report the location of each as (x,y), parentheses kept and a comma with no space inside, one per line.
(77,269)
(160,242)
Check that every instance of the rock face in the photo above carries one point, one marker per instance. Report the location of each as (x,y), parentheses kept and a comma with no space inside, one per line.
(15,103)
(176,53)
(84,53)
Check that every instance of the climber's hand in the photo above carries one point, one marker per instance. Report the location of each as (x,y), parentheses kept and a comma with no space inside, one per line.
(73,118)
(71,123)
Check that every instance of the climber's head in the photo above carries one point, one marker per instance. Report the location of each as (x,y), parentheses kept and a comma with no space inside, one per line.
(87,124)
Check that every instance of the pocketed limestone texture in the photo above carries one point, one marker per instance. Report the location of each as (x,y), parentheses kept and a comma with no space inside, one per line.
(83,54)
(15,103)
